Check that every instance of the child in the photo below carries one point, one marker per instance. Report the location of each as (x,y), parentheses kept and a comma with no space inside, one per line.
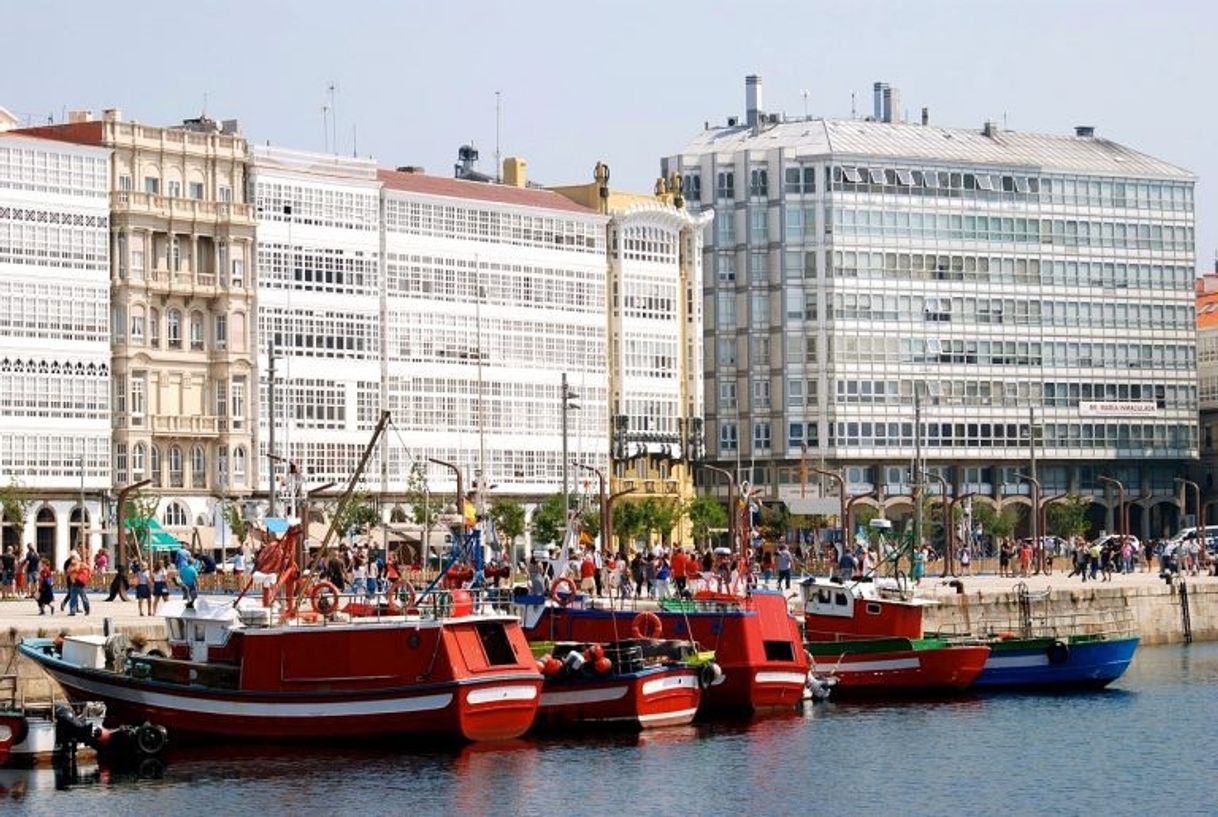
(143,590)
(46,588)
(160,586)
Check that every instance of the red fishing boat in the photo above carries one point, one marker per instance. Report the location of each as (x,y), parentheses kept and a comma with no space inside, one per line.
(436,665)
(635,684)
(868,635)
(755,639)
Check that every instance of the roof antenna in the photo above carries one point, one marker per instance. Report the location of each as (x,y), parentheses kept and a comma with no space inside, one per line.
(498,163)
(331,88)
(204,116)
(804,94)
(354,142)
(853,110)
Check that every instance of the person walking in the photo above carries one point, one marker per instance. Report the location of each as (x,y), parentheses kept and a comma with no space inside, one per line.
(919,564)
(8,572)
(188,574)
(160,585)
(784,564)
(31,565)
(45,583)
(966,560)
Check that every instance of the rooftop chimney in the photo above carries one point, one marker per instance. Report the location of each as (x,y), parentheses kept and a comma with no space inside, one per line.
(752,99)
(112,115)
(925,116)
(892,104)
(514,171)
(989,129)
(75,117)
(880,90)
(1086,131)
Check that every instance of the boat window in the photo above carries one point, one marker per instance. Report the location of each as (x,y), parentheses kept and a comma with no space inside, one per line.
(495,643)
(177,631)
(778,651)
(840,599)
(823,596)
(200,632)
(873,608)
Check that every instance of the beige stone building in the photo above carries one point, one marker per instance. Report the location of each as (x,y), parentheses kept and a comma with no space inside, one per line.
(182,308)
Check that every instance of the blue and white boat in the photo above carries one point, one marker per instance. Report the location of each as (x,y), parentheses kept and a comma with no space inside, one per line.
(1063,662)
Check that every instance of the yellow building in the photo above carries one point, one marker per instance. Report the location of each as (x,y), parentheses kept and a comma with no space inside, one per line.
(654,314)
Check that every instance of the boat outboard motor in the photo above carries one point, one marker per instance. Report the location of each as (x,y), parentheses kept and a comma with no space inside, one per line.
(126,743)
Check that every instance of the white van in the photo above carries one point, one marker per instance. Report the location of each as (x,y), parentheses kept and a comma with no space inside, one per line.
(1188,535)
(1115,539)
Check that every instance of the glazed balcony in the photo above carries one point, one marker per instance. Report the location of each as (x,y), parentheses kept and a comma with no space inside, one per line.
(180,209)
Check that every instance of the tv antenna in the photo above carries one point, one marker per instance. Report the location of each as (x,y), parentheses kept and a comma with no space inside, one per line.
(498,162)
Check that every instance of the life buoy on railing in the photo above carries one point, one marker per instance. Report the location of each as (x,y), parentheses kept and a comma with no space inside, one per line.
(654,631)
(324,597)
(563,599)
(400,589)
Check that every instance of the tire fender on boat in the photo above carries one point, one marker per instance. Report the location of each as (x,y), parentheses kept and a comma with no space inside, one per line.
(709,674)
(18,726)
(655,628)
(1059,652)
(324,589)
(559,599)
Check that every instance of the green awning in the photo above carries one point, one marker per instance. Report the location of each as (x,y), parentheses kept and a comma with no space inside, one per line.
(152,535)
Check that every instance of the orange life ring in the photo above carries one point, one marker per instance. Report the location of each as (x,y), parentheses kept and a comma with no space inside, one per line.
(330,604)
(408,593)
(561,581)
(655,631)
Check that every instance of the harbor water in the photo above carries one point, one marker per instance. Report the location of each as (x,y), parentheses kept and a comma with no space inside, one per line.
(1144,746)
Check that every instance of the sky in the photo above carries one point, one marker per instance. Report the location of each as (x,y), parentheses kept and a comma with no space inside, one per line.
(625,82)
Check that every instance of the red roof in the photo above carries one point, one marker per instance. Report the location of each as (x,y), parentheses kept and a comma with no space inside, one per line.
(80,133)
(482,191)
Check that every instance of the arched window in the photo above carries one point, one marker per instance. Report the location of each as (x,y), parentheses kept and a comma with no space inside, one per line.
(198,467)
(398,515)
(45,531)
(138,461)
(154,328)
(196,331)
(173,328)
(175,514)
(78,523)
(175,467)
(239,474)
(154,465)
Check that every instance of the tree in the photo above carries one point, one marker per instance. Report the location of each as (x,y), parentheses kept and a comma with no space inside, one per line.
(236,522)
(666,514)
(629,520)
(140,508)
(998,525)
(424,508)
(356,517)
(549,520)
(13,505)
(705,514)
(774,522)
(509,520)
(1067,517)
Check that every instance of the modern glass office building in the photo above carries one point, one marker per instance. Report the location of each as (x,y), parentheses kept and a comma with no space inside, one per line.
(1024,289)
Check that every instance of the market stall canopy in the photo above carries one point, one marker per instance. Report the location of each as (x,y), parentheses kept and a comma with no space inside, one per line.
(152,535)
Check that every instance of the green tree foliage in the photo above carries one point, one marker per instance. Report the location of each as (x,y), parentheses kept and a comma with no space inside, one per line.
(1067,517)
(509,519)
(236,522)
(998,525)
(357,517)
(549,520)
(665,515)
(13,504)
(630,520)
(705,514)
(424,506)
(774,522)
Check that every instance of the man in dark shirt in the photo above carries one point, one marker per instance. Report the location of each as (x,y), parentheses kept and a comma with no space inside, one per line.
(8,572)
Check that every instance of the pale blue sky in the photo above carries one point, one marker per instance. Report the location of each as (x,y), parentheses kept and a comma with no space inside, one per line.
(627,81)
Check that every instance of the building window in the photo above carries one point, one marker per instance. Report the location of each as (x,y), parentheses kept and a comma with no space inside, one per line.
(726,267)
(759,225)
(222,468)
(238,403)
(222,331)
(175,516)
(174,328)
(138,397)
(727,437)
(226,194)
(239,466)
(137,325)
(761,394)
(238,272)
(152,185)
(124,183)
(138,461)
(120,463)
(154,465)
(725,311)
(176,475)
(726,189)
(154,328)
(175,190)
(198,467)
(196,331)
(727,395)
(175,254)
(761,436)
(196,190)
(727,351)
(759,182)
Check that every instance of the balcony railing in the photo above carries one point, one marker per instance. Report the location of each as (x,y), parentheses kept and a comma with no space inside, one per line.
(186,424)
(179,208)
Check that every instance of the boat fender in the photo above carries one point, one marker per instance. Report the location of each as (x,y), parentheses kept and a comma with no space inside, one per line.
(324,597)
(562,600)
(1006,636)
(574,661)
(151,739)
(709,674)
(18,726)
(551,666)
(655,629)
(602,665)
(1059,652)
(401,589)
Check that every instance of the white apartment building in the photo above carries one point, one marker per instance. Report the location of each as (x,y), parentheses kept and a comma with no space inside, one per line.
(1024,286)
(54,338)
(319,311)
(493,292)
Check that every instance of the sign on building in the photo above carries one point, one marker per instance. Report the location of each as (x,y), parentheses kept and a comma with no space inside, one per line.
(1114,408)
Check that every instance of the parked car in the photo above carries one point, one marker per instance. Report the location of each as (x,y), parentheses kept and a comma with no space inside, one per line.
(1114,539)
(1189,535)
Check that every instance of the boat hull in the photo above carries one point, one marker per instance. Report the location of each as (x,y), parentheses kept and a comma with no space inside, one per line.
(891,667)
(756,645)
(651,698)
(1042,663)
(486,708)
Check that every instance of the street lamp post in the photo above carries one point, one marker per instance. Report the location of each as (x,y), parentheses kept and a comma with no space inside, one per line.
(567,397)
(845,506)
(731,500)
(1122,509)
(949,557)
(846,520)
(600,480)
(944,489)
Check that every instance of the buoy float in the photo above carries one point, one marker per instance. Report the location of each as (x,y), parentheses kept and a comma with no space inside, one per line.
(603,665)
(655,629)
(560,599)
(324,597)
